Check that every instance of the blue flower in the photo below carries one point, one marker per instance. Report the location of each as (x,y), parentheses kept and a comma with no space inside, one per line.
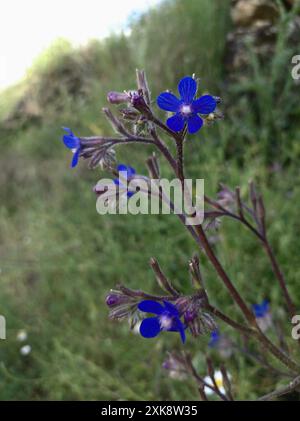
(261,310)
(72,142)
(186,108)
(127,172)
(214,339)
(167,318)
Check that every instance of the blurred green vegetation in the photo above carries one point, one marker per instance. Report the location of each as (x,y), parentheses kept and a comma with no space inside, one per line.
(58,257)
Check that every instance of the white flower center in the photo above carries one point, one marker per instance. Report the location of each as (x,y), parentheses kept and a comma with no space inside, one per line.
(186,110)
(219,382)
(165,322)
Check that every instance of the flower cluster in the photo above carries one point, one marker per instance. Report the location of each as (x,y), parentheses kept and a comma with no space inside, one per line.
(136,123)
(188,111)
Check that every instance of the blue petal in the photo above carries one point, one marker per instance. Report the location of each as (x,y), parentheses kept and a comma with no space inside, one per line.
(69,131)
(178,326)
(256,309)
(265,306)
(260,310)
(150,306)
(171,308)
(187,89)
(194,123)
(214,338)
(176,123)
(75,158)
(206,104)
(71,142)
(168,102)
(130,171)
(122,168)
(150,327)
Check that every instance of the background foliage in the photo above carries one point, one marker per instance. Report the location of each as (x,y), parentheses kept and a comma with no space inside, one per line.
(58,257)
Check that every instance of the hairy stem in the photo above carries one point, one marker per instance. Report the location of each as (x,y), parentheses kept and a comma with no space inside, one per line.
(180,170)
(241,328)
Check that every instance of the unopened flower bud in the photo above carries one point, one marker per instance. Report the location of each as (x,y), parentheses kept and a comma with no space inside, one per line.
(138,102)
(182,303)
(114,299)
(191,307)
(117,97)
(202,324)
(121,305)
(189,316)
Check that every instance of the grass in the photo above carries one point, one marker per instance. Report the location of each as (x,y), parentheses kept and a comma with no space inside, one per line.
(58,257)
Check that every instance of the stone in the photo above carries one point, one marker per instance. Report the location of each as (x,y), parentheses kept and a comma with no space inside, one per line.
(246,12)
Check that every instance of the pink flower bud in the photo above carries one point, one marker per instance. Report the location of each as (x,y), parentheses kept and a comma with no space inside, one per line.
(117,97)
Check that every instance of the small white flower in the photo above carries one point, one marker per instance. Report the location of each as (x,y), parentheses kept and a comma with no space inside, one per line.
(25,350)
(22,335)
(219,380)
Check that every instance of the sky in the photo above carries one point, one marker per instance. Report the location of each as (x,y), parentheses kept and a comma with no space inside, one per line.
(27,27)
